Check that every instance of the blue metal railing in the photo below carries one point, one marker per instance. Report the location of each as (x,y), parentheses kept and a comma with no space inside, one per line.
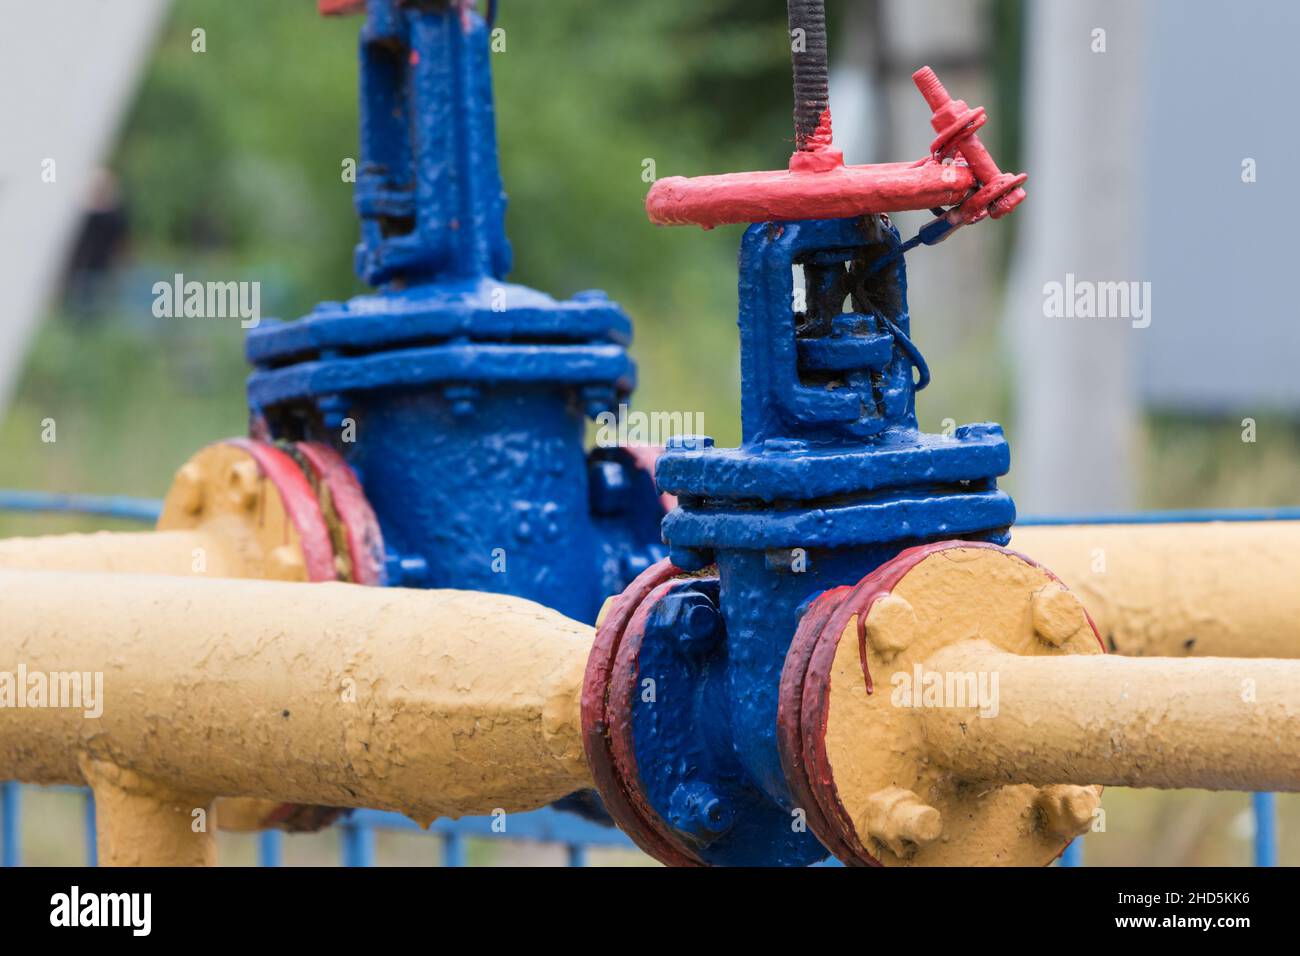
(357,833)
(359,830)
(105,506)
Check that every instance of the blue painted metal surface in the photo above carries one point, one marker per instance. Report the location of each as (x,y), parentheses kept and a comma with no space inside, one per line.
(270,848)
(1264,807)
(358,843)
(453,850)
(832,479)
(469,394)
(1073,855)
(88,821)
(10,824)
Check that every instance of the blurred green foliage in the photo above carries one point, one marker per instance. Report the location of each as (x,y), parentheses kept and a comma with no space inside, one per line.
(232,159)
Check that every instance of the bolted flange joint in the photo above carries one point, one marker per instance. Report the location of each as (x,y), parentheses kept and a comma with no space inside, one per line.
(658,735)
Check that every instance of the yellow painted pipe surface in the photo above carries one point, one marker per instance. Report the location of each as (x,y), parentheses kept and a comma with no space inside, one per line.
(1211,723)
(1213,589)
(139,822)
(430,703)
(214,552)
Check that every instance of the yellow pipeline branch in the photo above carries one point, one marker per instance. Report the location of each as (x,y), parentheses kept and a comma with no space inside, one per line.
(219,552)
(225,516)
(1215,589)
(430,703)
(1213,723)
(992,716)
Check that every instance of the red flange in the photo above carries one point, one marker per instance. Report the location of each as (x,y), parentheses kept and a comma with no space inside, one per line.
(606,715)
(342,499)
(300,504)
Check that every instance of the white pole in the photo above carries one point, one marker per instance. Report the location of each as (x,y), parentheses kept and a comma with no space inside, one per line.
(1076,416)
(67,72)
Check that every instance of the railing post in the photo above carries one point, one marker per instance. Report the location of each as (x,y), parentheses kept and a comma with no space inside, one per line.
(10,847)
(88,821)
(453,850)
(1073,855)
(358,844)
(270,848)
(1265,807)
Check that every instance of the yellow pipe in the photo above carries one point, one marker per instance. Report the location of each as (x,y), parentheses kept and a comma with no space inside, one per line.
(1214,589)
(211,551)
(430,703)
(1212,723)
(139,822)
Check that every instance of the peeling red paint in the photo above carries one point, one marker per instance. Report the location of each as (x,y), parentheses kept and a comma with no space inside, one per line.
(599,716)
(833,192)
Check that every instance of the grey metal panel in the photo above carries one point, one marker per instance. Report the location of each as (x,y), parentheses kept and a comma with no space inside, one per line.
(1225,330)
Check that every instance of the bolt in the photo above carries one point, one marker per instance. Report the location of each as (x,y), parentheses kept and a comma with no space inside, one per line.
(1068,810)
(333,409)
(946,111)
(699,623)
(285,563)
(550,520)
(463,399)
(900,820)
(697,809)
(688,443)
(187,486)
(690,559)
(891,625)
(1057,614)
(690,619)
(242,479)
(977,430)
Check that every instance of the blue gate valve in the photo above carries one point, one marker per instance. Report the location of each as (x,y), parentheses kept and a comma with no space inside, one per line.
(832,479)
(458,398)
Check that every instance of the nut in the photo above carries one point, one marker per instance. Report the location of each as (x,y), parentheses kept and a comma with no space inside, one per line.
(187,487)
(1068,810)
(1057,614)
(285,563)
(242,479)
(891,625)
(900,820)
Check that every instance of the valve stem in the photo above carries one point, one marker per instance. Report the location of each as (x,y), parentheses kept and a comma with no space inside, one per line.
(812,108)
